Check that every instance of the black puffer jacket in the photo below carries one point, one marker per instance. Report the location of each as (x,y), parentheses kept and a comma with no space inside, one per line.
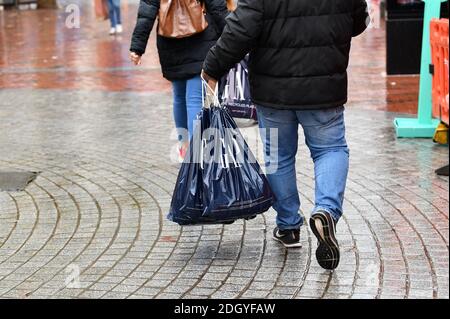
(299,50)
(180,58)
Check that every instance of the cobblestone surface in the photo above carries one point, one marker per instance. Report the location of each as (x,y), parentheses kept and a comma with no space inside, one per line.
(99,205)
(99,132)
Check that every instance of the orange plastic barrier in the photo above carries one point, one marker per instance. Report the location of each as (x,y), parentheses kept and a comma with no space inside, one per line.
(439,53)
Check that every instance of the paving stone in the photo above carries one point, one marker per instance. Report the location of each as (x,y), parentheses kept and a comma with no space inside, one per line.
(100,137)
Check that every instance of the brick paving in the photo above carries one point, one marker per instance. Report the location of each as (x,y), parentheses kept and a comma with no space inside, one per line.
(93,223)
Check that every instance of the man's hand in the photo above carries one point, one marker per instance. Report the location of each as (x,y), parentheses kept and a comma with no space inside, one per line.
(212,83)
(135,58)
(210,97)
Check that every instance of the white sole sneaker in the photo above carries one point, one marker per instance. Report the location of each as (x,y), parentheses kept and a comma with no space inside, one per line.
(288,243)
(324,228)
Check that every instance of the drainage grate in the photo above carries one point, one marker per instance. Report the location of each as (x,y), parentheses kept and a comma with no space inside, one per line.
(16,181)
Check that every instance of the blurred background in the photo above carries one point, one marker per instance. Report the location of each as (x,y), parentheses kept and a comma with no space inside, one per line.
(39,50)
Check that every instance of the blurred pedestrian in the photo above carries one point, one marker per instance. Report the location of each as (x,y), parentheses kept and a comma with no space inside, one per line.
(115,17)
(101,9)
(299,54)
(181,54)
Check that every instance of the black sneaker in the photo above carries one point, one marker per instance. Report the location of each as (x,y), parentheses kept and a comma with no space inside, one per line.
(289,238)
(324,228)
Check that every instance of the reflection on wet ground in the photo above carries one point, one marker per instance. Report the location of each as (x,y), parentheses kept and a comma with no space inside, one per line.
(38,51)
(98,131)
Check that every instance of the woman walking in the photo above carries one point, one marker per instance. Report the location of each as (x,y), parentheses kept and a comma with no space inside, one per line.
(181,53)
(115,17)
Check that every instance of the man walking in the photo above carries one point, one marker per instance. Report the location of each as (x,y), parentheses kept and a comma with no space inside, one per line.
(299,54)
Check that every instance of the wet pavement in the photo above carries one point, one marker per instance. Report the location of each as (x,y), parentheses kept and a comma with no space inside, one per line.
(92,225)
(38,51)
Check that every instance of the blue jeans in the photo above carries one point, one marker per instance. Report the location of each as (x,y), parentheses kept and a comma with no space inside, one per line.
(187,103)
(325,136)
(114,12)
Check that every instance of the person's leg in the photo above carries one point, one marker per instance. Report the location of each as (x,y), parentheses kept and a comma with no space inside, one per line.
(179,109)
(112,15)
(325,137)
(117,12)
(281,161)
(193,102)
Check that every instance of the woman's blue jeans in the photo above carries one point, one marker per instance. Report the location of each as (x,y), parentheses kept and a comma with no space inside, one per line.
(325,136)
(114,12)
(187,104)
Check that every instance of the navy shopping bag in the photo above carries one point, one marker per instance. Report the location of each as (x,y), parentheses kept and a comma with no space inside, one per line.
(220,181)
(235,92)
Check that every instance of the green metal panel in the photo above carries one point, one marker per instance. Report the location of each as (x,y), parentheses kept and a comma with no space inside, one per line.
(424,125)
(412,128)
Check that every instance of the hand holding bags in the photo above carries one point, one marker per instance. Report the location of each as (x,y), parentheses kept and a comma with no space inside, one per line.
(220,180)
(181,18)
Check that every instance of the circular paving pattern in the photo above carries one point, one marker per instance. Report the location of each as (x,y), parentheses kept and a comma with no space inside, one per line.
(93,224)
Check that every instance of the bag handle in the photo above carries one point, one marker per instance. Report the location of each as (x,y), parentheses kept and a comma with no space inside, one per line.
(210,96)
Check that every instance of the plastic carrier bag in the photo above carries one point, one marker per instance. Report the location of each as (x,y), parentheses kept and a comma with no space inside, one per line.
(220,180)
(234,92)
